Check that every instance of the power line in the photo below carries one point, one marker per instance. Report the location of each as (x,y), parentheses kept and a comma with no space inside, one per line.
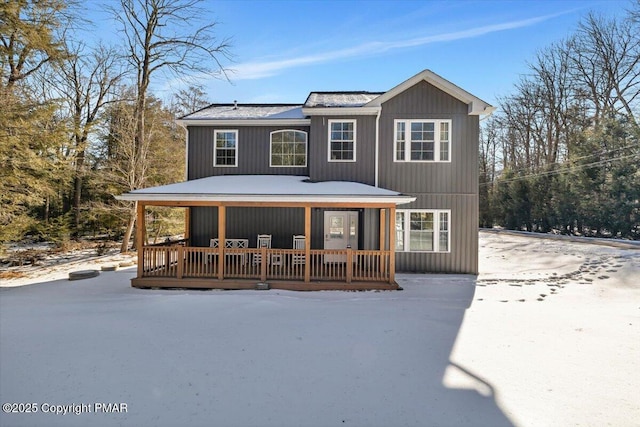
(563,169)
(596,153)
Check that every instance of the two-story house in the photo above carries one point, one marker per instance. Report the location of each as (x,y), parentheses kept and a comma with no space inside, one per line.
(337,193)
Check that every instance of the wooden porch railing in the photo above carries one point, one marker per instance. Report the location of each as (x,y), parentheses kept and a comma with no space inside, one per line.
(344,265)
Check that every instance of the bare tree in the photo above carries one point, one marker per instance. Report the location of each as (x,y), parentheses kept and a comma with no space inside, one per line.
(86,81)
(605,56)
(163,36)
(188,100)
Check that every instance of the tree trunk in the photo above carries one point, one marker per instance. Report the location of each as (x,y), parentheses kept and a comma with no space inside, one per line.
(127,235)
(77,194)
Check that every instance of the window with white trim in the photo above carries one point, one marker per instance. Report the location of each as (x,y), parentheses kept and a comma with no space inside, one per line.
(421,230)
(422,140)
(342,140)
(288,148)
(226,148)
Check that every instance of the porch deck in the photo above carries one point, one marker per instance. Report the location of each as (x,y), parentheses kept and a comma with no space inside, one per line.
(201,267)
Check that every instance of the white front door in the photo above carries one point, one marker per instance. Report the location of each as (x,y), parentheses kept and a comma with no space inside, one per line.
(340,232)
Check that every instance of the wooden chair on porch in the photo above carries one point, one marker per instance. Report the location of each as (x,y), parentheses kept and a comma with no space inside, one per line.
(230,244)
(298,244)
(264,241)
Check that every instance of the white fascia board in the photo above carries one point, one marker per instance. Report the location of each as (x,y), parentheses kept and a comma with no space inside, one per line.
(245,122)
(340,111)
(302,198)
(476,105)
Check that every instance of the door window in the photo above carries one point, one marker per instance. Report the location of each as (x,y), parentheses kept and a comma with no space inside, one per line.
(336,227)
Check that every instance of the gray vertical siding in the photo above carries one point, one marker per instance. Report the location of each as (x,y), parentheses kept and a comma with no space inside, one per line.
(362,170)
(204,225)
(424,101)
(463,257)
(253,152)
(247,223)
(451,185)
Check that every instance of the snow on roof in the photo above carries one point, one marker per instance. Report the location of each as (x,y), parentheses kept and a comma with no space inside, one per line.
(340,99)
(277,188)
(247,111)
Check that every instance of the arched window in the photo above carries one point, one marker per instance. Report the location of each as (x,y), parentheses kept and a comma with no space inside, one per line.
(288,148)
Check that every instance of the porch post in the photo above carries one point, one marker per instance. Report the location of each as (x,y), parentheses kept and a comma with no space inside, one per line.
(222,227)
(392,244)
(140,232)
(383,228)
(187,224)
(383,239)
(307,244)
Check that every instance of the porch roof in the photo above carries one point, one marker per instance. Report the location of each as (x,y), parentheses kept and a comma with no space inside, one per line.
(267,188)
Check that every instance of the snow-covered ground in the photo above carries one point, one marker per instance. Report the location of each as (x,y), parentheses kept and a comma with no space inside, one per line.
(548,334)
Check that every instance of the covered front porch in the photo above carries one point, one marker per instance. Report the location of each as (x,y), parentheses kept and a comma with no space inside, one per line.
(232,264)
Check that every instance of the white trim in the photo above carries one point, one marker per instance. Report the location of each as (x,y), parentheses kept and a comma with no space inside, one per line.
(291,188)
(186,155)
(306,148)
(215,148)
(436,229)
(340,111)
(244,122)
(476,105)
(407,142)
(355,138)
(274,198)
(376,154)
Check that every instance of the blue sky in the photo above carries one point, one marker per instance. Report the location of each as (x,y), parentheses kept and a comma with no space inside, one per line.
(282,50)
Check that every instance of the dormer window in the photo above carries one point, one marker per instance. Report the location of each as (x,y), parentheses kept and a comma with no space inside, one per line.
(288,148)
(422,141)
(342,140)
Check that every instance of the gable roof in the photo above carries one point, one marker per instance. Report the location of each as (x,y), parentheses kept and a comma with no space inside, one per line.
(476,105)
(326,103)
(267,188)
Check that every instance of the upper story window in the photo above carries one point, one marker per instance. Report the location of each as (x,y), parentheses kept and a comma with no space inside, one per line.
(422,141)
(226,148)
(288,148)
(423,230)
(342,140)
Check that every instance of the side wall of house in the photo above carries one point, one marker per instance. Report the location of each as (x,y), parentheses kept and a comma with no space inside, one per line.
(447,185)
(253,152)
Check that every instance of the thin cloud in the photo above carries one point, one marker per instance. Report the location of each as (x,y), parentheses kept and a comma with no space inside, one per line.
(257,70)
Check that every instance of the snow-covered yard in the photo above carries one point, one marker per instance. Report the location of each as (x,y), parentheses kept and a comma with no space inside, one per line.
(547,334)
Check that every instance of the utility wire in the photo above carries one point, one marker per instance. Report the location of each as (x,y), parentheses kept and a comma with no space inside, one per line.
(596,153)
(562,170)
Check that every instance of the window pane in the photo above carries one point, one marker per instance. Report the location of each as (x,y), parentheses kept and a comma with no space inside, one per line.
(399,231)
(225,149)
(288,148)
(444,131)
(400,140)
(444,151)
(444,141)
(342,141)
(336,227)
(422,140)
(421,231)
(444,232)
